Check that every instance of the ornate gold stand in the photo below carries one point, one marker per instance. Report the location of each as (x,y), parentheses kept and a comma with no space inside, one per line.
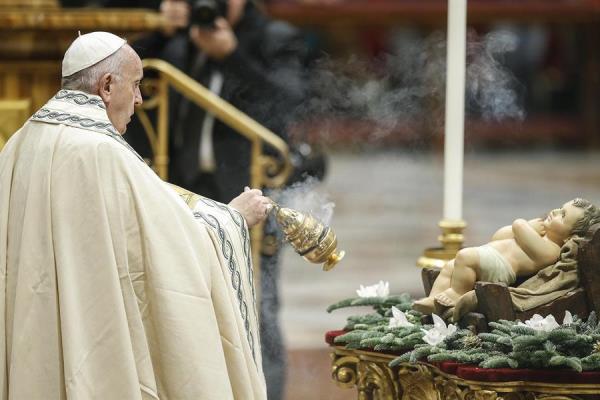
(452,240)
(34,35)
(369,373)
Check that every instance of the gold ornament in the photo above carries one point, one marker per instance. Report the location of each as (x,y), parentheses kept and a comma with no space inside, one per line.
(310,238)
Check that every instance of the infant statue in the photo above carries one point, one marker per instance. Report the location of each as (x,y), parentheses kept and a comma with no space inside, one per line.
(520,249)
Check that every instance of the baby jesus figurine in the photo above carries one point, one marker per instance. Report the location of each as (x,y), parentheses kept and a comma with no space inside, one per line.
(520,249)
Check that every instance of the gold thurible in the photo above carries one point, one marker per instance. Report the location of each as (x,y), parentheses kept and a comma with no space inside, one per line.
(311,239)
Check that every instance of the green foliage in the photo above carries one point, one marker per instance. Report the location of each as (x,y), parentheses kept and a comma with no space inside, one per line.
(402,302)
(449,356)
(365,321)
(562,361)
(340,304)
(384,347)
(575,346)
(591,326)
(522,330)
(402,359)
(456,340)
(493,341)
(354,338)
(562,334)
(510,344)
(506,341)
(499,361)
(526,342)
(423,352)
(501,327)
(591,362)
(489,337)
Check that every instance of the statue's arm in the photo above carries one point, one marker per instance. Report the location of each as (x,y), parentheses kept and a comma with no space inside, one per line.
(505,232)
(542,252)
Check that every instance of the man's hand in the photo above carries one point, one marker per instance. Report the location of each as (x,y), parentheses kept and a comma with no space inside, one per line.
(176,13)
(538,225)
(218,42)
(253,206)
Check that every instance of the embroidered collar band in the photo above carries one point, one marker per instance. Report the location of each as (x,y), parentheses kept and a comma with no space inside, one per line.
(80,110)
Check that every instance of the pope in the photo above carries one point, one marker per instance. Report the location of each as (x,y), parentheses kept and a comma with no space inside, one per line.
(113,287)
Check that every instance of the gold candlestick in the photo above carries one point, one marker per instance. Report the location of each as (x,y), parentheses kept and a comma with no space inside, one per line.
(452,240)
(310,238)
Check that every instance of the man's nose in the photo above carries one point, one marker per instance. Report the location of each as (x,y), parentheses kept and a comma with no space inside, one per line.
(138,98)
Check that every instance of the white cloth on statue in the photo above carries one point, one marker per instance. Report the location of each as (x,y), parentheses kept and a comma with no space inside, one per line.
(112,289)
(493,267)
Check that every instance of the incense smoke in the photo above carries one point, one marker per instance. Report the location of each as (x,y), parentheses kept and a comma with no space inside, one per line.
(307,198)
(406,89)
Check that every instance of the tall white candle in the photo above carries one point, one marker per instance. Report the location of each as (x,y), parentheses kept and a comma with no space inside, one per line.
(455,109)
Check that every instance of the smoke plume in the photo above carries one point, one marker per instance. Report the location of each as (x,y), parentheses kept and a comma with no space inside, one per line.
(406,88)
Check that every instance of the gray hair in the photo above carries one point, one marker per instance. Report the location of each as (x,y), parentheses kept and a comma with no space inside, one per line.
(87,79)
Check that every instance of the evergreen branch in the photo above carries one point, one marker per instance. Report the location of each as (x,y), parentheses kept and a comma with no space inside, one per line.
(499,362)
(340,304)
(562,361)
(399,360)
(500,327)
(591,362)
(523,330)
(560,334)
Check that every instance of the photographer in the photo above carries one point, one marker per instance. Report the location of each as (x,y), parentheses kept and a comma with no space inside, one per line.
(257,65)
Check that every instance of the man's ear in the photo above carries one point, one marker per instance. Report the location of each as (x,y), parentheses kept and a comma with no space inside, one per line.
(105,87)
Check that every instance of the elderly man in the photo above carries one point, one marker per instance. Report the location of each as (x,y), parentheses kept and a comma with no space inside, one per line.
(113,287)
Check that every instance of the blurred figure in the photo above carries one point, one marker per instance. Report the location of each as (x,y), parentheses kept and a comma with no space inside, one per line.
(257,65)
(254,63)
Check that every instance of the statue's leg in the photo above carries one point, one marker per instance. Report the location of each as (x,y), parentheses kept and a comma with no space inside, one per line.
(442,282)
(464,276)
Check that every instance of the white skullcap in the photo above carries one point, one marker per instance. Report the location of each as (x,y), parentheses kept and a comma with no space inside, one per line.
(89,49)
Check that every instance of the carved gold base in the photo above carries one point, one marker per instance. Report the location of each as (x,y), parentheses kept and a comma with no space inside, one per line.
(370,374)
(452,240)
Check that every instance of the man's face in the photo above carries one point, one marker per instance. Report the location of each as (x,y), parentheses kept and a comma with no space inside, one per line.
(560,222)
(125,94)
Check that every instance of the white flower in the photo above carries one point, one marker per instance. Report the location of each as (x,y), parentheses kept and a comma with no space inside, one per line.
(568,319)
(541,324)
(399,319)
(439,332)
(381,289)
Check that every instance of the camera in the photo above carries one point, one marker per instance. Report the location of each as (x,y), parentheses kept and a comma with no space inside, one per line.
(205,12)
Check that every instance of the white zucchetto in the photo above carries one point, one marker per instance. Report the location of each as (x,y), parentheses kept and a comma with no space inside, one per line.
(89,49)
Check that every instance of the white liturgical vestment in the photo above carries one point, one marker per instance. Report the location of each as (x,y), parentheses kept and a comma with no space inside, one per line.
(111,287)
